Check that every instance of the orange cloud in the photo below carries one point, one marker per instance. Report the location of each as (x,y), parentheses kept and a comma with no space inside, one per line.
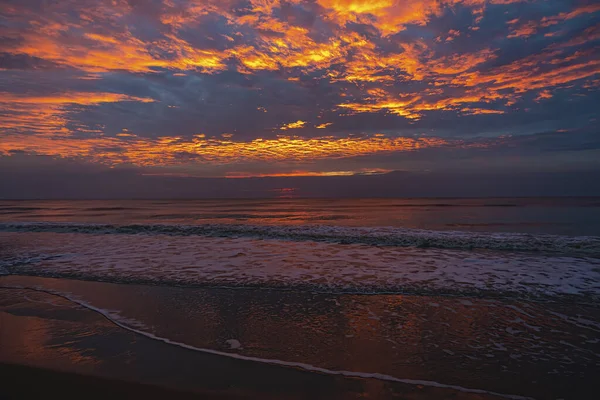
(525,75)
(389,16)
(82,98)
(531,27)
(586,9)
(544,94)
(412,106)
(168,150)
(117,51)
(281,44)
(479,111)
(362,171)
(293,125)
(367,64)
(459,63)
(47,114)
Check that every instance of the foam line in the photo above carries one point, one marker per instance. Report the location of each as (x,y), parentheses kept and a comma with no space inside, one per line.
(380,236)
(307,367)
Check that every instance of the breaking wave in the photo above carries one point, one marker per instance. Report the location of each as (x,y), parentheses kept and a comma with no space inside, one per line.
(388,236)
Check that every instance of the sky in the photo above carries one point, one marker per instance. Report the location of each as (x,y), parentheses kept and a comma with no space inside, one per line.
(161,95)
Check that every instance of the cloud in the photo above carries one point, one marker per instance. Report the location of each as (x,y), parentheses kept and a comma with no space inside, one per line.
(216,83)
(47,115)
(43,177)
(127,148)
(293,125)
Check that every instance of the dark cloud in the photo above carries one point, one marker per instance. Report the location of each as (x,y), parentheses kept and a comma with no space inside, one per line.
(481,79)
(43,178)
(24,62)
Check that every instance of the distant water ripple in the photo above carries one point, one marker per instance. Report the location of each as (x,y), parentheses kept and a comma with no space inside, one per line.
(376,236)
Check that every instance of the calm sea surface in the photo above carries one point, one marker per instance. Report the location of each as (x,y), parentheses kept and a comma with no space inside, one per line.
(560,216)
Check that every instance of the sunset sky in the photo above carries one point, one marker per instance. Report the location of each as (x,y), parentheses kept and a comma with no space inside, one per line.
(255,88)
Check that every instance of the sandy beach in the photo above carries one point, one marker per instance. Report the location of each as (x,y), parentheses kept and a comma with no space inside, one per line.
(71,385)
(286,344)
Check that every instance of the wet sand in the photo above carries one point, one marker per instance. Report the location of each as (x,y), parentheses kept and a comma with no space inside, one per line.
(441,347)
(16,385)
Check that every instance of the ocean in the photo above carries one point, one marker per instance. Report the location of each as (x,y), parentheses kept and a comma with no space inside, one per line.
(495,297)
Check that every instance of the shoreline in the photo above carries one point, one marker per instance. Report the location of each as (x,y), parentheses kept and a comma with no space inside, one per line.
(584,299)
(275,362)
(159,313)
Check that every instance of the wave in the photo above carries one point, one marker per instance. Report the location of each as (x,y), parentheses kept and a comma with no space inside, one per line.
(218,216)
(426,205)
(111,209)
(406,289)
(14,210)
(375,236)
(497,224)
(126,324)
(248,262)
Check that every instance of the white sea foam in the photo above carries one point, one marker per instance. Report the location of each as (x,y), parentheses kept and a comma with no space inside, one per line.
(379,236)
(125,324)
(233,344)
(198,260)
